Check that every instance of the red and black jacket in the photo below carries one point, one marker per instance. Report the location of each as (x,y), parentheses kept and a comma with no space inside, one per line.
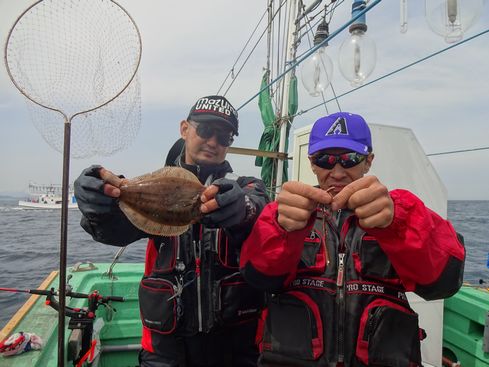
(353,309)
(191,282)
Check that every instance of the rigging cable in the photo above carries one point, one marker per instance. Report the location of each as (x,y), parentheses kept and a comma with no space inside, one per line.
(400,69)
(269,32)
(312,50)
(278,25)
(330,13)
(283,53)
(241,53)
(308,23)
(251,52)
(458,151)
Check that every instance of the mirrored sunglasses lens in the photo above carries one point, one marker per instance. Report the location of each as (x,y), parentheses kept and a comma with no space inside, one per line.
(326,161)
(346,160)
(351,160)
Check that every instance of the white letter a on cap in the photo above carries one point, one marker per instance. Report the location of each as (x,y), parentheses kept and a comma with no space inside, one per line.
(339,127)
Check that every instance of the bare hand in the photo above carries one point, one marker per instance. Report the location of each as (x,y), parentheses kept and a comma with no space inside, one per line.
(369,199)
(296,202)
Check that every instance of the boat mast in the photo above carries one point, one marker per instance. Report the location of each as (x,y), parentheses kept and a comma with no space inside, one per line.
(284,111)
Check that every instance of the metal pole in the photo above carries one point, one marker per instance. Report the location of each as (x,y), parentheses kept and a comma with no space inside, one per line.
(63,243)
(291,49)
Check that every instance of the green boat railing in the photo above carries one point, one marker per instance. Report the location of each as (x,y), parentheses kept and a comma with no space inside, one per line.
(465,326)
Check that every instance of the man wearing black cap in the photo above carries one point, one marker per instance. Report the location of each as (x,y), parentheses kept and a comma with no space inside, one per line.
(339,257)
(215,321)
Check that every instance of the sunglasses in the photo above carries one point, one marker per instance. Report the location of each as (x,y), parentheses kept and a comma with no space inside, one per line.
(346,160)
(206,131)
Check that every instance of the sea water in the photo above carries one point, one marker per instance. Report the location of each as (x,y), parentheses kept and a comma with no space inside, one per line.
(29,246)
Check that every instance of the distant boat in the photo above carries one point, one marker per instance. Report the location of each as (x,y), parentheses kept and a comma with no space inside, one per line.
(47,196)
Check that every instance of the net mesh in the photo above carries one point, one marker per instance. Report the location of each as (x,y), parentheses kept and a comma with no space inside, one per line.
(73,57)
(102,132)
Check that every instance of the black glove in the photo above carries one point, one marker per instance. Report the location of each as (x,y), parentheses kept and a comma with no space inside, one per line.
(89,193)
(232,205)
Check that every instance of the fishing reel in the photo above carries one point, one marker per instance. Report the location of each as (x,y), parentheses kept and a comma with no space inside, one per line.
(84,342)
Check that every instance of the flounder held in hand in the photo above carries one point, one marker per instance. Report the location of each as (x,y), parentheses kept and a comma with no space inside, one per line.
(164,202)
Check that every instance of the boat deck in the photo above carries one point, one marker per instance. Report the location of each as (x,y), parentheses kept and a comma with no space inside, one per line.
(121,328)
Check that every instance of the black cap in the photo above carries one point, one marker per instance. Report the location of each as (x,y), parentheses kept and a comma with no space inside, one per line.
(214,108)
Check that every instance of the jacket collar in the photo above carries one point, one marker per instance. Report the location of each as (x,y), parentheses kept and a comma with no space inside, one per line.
(205,173)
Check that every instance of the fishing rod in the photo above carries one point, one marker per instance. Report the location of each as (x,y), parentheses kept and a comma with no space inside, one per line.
(42,292)
(69,293)
(95,299)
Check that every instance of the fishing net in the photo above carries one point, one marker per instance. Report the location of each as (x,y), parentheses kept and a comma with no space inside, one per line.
(73,58)
(101,132)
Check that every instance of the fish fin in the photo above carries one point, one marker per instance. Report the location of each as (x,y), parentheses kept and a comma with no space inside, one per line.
(166,230)
(149,226)
(168,172)
(175,172)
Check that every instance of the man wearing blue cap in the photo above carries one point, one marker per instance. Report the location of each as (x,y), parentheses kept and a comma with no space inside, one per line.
(337,260)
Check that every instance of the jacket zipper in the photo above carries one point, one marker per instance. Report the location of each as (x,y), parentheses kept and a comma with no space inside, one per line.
(179,264)
(197,275)
(341,305)
(340,284)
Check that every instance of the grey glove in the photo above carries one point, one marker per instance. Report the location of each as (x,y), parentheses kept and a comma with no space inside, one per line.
(89,193)
(232,202)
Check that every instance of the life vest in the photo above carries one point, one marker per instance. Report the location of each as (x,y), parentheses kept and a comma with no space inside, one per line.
(352,311)
(192,284)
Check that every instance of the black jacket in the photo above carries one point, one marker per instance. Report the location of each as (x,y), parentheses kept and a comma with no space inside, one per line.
(191,282)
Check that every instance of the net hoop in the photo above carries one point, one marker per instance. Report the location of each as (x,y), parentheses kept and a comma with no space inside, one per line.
(69,118)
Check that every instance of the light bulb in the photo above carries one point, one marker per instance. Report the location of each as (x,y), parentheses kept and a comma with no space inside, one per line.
(451,18)
(357,56)
(316,72)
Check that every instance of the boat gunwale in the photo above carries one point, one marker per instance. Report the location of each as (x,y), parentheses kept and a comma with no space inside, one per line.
(26,307)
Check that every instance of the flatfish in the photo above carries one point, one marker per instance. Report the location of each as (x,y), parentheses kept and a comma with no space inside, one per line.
(164,202)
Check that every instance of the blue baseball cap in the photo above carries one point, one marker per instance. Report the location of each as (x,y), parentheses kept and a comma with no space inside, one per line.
(340,130)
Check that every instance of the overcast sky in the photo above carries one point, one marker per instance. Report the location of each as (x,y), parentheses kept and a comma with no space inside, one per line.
(189,48)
